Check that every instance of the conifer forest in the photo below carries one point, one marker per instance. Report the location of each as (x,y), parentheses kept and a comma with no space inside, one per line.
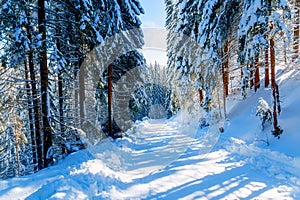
(77,93)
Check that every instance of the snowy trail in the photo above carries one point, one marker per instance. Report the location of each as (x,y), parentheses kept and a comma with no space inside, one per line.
(153,145)
(158,145)
(158,170)
(159,159)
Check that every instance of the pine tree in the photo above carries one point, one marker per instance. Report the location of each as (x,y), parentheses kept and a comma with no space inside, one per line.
(254,33)
(202,27)
(45,99)
(37,152)
(183,25)
(56,37)
(129,12)
(276,26)
(18,33)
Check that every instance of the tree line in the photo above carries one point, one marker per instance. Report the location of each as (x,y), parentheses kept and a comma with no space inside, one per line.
(44,88)
(212,43)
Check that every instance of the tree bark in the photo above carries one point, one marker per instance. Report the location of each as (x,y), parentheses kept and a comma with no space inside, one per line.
(272,52)
(35,102)
(61,109)
(60,91)
(110,101)
(225,70)
(274,86)
(201,96)
(47,139)
(81,92)
(257,74)
(17,145)
(251,76)
(275,91)
(30,116)
(76,97)
(36,109)
(242,73)
(267,71)
(61,103)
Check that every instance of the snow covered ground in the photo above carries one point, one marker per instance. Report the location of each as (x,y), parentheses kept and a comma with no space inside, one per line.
(157,160)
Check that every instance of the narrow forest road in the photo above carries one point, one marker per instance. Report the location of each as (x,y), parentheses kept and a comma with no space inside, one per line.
(149,147)
(157,145)
(159,159)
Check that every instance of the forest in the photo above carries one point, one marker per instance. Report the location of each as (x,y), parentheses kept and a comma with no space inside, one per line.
(64,66)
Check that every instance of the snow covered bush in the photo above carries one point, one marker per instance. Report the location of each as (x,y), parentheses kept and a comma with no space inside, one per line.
(264,112)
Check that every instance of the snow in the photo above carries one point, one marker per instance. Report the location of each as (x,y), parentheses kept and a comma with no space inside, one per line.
(174,159)
(17,35)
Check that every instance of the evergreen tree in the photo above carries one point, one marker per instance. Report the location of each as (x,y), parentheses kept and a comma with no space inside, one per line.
(260,21)
(19,35)
(202,27)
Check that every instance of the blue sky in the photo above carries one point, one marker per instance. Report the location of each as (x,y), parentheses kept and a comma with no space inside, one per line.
(154,17)
(154,13)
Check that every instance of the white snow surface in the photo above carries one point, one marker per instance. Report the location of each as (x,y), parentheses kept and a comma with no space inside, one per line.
(158,160)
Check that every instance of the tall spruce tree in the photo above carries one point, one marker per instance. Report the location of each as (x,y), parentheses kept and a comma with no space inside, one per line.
(201,27)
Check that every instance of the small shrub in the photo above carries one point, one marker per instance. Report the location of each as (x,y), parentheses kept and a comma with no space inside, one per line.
(264,112)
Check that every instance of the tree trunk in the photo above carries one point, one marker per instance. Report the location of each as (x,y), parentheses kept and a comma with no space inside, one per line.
(272,52)
(38,153)
(275,121)
(30,116)
(273,83)
(267,71)
(61,111)
(47,140)
(251,76)
(76,97)
(278,99)
(110,101)
(17,126)
(61,98)
(276,103)
(296,30)
(201,96)
(76,42)
(61,103)
(60,92)
(17,146)
(36,109)
(81,92)
(275,91)
(225,70)
(257,74)
(242,73)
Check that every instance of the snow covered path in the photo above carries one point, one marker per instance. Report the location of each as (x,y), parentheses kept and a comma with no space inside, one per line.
(158,144)
(159,162)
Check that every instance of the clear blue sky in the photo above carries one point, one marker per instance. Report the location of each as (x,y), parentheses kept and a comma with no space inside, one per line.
(154,13)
